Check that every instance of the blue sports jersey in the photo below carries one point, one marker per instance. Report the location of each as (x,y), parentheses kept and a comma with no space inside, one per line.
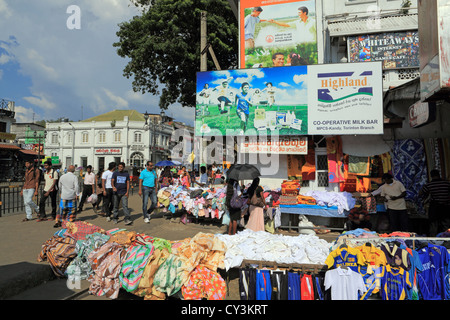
(416,266)
(394,283)
(431,280)
(243,102)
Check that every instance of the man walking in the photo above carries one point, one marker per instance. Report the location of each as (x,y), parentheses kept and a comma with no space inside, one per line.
(438,190)
(121,186)
(107,190)
(30,189)
(88,187)
(50,190)
(148,189)
(394,193)
(68,184)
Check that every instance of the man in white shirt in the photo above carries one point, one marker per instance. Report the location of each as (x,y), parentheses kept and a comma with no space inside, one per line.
(306,26)
(50,190)
(68,184)
(108,190)
(394,194)
(88,187)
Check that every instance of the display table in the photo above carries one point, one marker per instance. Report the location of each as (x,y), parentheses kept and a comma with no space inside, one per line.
(313,210)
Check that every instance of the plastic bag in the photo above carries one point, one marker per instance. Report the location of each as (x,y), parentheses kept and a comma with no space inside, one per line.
(92,198)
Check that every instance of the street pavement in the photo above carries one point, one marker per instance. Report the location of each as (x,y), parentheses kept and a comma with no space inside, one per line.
(22,277)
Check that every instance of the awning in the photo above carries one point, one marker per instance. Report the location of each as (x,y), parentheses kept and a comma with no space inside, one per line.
(31,152)
(9,146)
(367,25)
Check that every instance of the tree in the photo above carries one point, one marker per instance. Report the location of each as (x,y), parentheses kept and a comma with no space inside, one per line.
(163,45)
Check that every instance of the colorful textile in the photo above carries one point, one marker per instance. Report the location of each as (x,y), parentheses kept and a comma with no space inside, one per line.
(204,283)
(409,166)
(59,252)
(80,268)
(134,265)
(295,164)
(146,288)
(335,159)
(80,229)
(359,165)
(394,284)
(386,162)
(170,275)
(309,168)
(106,263)
(67,210)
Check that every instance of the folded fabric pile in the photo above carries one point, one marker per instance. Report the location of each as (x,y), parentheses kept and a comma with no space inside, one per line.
(264,246)
(343,200)
(149,267)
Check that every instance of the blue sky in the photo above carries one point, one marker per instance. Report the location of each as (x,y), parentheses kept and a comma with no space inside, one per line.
(51,71)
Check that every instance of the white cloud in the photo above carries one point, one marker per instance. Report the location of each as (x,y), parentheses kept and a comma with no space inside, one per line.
(5,11)
(42,101)
(23,114)
(119,102)
(300,78)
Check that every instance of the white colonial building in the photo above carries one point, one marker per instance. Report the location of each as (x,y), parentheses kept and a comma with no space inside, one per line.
(117,136)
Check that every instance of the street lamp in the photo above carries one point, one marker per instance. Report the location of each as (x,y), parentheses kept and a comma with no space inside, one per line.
(73,144)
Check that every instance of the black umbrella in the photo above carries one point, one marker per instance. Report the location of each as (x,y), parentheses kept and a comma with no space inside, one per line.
(243,172)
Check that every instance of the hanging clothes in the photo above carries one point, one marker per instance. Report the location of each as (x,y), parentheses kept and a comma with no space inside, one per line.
(335,159)
(409,166)
(359,165)
(309,168)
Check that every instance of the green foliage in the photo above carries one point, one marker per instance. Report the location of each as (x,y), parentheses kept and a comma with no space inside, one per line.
(163,45)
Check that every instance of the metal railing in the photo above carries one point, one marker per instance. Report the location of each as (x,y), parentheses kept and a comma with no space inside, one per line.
(11,201)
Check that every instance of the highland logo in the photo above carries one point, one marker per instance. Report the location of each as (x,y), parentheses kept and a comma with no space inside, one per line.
(343,85)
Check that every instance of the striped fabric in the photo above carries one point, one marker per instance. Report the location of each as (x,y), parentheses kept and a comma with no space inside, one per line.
(134,265)
(67,211)
(59,252)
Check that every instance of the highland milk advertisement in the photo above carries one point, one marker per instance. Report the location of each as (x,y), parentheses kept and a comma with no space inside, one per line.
(345,98)
(291,101)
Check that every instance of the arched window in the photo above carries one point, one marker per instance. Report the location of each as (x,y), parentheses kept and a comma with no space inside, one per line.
(85,137)
(117,136)
(137,136)
(54,138)
(102,137)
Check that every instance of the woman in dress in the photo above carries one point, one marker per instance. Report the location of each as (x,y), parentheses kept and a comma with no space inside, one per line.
(256,219)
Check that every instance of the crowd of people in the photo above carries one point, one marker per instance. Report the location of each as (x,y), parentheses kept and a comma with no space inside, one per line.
(107,189)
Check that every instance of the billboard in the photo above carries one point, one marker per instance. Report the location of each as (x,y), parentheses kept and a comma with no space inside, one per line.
(297,100)
(241,101)
(345,98)
(434,31)
(394,49)
(277,33)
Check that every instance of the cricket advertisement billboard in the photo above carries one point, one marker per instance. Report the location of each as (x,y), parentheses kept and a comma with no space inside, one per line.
(287,101)
(276,33)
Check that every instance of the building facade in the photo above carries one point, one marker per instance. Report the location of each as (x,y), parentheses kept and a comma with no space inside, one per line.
(117,136)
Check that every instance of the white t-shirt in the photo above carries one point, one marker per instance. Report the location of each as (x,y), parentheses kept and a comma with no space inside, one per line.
(49,177)
(395,189)
(344,284)
(107,175)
